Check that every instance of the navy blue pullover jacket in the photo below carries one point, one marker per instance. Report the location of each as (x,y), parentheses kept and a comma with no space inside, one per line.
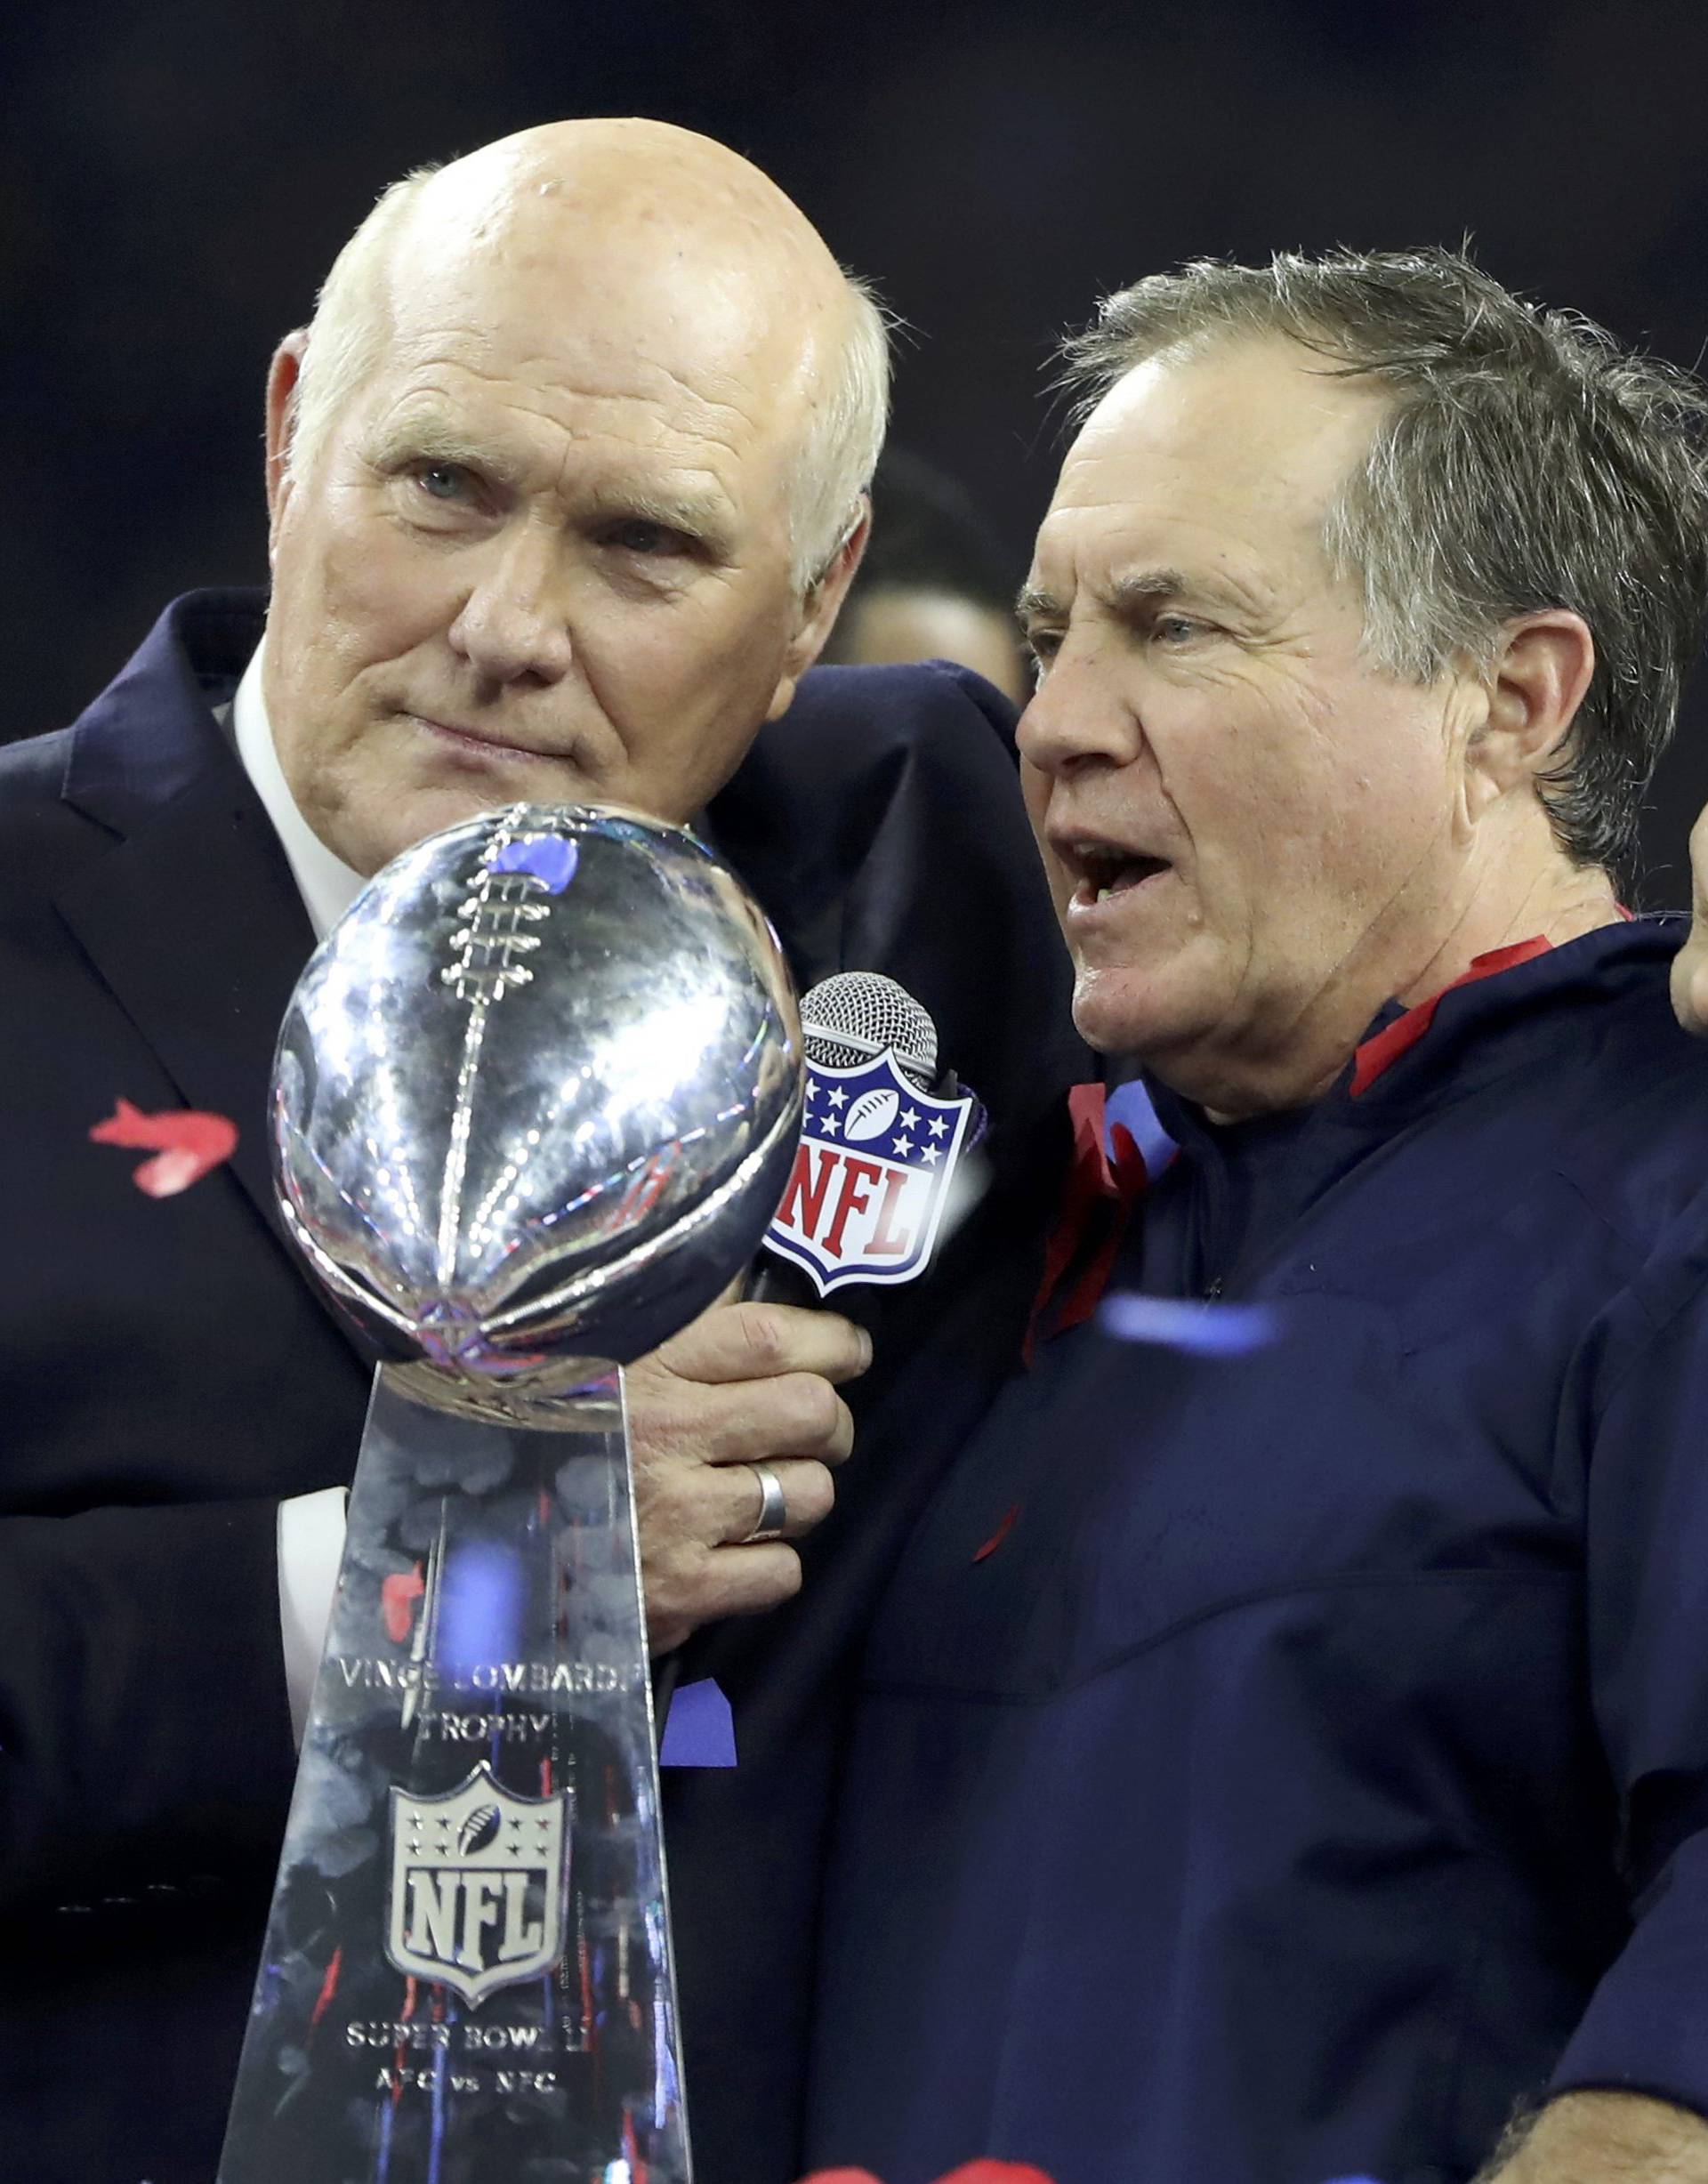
(1271,1769)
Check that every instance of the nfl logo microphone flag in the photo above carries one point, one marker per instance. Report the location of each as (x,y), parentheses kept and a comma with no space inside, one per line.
(871,1176)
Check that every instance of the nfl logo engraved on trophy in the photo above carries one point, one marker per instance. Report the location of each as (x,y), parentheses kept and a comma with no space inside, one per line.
(871,1177)
(478,1899)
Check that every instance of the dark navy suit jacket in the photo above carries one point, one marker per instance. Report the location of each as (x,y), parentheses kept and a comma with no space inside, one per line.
(167,1373)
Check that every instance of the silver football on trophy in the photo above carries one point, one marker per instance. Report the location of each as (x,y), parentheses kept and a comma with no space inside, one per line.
(535,1098)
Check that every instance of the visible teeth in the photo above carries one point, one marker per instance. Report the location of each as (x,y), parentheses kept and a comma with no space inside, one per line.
(1103,893)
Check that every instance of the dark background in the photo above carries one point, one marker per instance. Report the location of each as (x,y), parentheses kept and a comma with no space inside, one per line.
(175,178)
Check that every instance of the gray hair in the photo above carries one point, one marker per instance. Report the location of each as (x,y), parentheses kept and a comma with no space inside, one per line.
(839,451)
(1529,461)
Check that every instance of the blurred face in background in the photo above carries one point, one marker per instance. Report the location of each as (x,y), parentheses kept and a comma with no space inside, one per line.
(1248,827)
(898,624)
(544,550)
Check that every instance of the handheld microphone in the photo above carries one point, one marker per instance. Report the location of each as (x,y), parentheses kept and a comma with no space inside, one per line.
(849,1021)
(874,1178)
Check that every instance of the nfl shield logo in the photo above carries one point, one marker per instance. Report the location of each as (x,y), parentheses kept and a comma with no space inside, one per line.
(477,1897)
(871,1176)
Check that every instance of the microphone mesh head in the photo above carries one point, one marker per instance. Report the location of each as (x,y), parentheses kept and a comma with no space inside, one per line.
(850,1019)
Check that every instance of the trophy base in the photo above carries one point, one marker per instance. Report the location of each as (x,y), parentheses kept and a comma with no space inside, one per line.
(466,1976)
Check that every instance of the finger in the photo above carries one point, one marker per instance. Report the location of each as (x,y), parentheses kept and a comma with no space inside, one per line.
(680,1425)
(749,1578)
(684,1512)
(798,1415)
(809,1495)
(759,1342)
(734,1581)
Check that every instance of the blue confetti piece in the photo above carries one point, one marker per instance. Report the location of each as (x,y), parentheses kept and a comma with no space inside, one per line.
(1354,2179)
(699,1729)
(547,857)
(480,1607)
(1130,1106)
(1201,1330)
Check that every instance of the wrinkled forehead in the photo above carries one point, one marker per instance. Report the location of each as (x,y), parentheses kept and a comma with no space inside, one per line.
(1248,443)
(636,306)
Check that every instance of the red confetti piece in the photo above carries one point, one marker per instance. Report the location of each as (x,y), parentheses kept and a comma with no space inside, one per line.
(397,1596)
(969,2173)
(999,1534)
(996,2173)
(186,1142)
(411,1990)
(328,1986)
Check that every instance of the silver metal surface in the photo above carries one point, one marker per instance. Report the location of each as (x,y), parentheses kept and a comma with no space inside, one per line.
(856,1015)
(536,1095)
(773,1506)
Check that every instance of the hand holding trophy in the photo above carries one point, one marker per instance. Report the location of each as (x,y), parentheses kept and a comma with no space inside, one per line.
(536,1097)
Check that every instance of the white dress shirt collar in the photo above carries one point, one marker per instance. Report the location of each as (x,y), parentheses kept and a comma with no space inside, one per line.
(326,883)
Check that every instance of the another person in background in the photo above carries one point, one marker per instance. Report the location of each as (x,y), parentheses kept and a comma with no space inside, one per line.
(1283,1748)
(931,586)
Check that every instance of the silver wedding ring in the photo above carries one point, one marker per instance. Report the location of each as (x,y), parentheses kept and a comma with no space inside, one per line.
(773,1507)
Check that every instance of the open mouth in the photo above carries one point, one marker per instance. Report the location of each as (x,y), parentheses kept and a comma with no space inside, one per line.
(1104,870)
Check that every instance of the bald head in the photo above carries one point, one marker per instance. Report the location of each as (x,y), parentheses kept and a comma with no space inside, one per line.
(650,230)
(566,483)
(662,187)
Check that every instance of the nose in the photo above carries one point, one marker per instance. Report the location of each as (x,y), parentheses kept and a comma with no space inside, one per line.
(1079,713)
(512,626)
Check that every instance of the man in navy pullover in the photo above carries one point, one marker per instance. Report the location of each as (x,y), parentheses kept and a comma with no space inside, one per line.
(1282,1748)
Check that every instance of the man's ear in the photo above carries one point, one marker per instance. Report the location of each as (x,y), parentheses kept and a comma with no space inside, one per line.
(1538,682)
(283,378)
(818,611)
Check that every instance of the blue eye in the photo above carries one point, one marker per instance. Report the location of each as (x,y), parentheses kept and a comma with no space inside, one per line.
(441,481)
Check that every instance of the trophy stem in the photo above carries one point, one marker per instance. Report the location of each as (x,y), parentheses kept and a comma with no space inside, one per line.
(467,1973)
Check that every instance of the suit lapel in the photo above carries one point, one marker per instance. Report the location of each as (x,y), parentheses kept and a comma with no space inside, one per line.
(194,922)
(191,916)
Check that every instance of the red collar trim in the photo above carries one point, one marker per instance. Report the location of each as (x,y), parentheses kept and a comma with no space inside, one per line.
(1378,1054)
(1106,1171)
(1105,1174)
(1108,1157)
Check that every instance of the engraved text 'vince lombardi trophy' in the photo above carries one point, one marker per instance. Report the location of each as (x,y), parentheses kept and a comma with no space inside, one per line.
(535,1098)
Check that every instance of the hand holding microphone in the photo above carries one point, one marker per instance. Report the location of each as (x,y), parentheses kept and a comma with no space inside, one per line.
(735,1423)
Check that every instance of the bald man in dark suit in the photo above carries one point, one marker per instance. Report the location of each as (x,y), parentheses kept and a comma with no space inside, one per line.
(550,559)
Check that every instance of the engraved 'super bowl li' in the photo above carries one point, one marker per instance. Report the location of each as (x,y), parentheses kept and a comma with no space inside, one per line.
(536,1097)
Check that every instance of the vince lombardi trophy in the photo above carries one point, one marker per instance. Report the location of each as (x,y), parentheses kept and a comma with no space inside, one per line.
(535,1098)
